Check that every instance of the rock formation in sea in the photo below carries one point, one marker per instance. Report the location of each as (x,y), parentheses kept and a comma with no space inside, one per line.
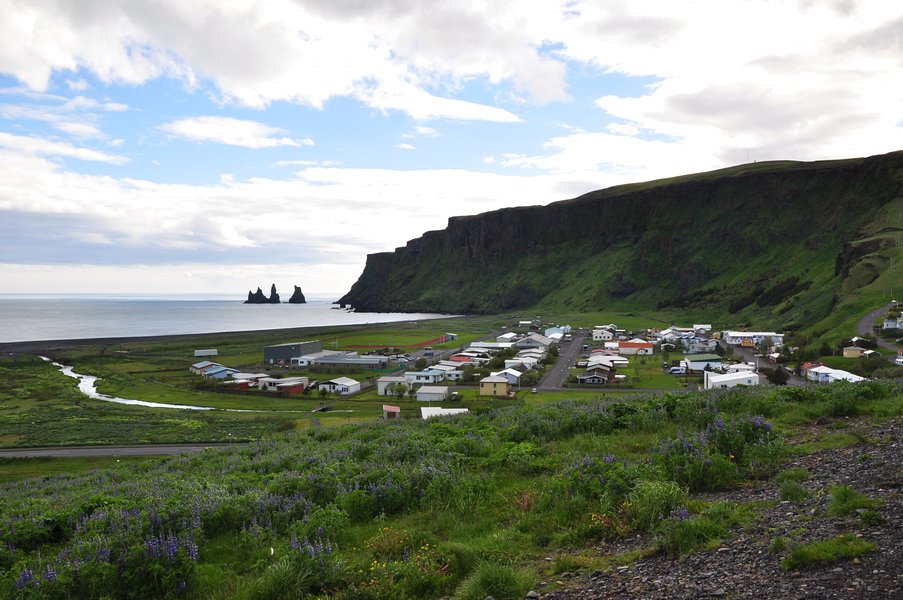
(259,298)
(297,297)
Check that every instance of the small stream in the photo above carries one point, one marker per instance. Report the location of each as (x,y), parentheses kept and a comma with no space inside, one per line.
(87,386)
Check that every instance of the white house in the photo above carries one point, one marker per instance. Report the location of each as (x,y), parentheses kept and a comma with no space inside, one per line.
(432,393)
(534,340)
(510,337)
(743,367)
(427,377)
(385,386)
(602,335)
(341,385)
(729,380)
(635,346)
(752,338)
(512,375)
(699,362)
(612,362)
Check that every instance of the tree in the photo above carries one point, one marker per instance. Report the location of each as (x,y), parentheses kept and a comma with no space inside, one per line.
(777,376)
(400,390)
(412,392)
(324,392)
(420,364)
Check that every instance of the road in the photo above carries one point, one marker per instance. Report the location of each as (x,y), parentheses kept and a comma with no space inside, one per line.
(567,356)
(110,451)
(864,327)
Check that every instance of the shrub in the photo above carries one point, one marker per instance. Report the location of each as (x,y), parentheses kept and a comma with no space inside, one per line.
(793,492)
(652,501)
(499,581)
(797,475)
(826,552)
(683,532)
(778,544)
(845,500)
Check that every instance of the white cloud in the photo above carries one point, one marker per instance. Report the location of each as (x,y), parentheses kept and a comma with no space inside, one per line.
(260,51)
(405,147)
(233,132)
(41,147)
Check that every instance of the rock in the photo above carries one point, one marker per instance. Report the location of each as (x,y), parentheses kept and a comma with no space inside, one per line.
(532,594)
(258,297)
(297,297)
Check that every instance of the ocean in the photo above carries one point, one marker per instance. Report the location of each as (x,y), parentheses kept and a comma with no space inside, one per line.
(63,317)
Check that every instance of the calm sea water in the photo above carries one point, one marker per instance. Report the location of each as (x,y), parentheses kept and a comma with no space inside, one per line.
(77,317)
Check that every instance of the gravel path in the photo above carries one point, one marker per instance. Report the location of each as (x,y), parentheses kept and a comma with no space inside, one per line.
(744,567)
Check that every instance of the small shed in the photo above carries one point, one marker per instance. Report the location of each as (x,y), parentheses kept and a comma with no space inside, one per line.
(390,413)
(432,393)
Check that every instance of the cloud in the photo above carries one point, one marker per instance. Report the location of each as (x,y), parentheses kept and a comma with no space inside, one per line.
(399,55)
(232,132)
(405,147)
(38,146)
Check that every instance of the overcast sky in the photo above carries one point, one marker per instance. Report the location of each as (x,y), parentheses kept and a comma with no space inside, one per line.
(218,145)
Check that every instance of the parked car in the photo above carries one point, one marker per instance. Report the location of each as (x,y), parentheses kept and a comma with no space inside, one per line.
(533,391)
(677,371)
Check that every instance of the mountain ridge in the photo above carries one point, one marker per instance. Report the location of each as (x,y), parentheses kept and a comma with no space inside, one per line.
(772,241)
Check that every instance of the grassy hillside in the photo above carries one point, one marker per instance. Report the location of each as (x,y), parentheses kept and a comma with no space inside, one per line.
(485,504)
(787,245)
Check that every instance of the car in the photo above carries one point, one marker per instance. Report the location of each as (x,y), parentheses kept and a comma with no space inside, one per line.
(533,391)
(677,371)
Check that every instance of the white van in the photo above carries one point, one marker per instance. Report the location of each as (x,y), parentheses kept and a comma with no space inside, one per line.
(677,371)
(898,360)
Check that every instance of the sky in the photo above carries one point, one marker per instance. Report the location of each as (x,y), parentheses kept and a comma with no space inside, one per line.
(216,146)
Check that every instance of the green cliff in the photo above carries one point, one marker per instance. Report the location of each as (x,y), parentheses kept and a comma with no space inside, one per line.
(780,242)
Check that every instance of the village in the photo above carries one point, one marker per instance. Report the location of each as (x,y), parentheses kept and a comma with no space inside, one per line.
(524,358)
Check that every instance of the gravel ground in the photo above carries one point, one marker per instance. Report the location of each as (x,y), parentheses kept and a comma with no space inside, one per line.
(743,566)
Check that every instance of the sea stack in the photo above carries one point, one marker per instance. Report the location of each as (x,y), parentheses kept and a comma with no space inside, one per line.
(297,297)
(258,297)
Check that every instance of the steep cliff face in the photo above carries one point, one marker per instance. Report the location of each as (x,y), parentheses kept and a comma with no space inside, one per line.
(705,240)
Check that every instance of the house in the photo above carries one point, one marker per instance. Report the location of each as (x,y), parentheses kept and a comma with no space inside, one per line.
(525,362)
(512,375)
(452,373)
(271,384)
(820,373)
(534,340)
(292,385)
(613,362)
(432,393)
(603,335)
(752,338)
(701,328)
(343,386)
(509,337)
(390,413)
(253,377)
(636,346)
(283,353)
(804,369)
(218,372)
(427,377)
(594,378)
(385,386)
(892,323)
(494,386)
(852,352)
(198,367)
(739,368)
(428,412)
(699,362)
(729,380)
(841,375)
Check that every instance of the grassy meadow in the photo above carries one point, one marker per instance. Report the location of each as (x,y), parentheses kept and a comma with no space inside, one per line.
(483,504)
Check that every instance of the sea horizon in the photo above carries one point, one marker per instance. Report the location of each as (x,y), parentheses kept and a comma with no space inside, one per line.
(48,317)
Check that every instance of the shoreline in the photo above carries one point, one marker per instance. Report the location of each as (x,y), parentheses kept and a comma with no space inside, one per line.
(48,346)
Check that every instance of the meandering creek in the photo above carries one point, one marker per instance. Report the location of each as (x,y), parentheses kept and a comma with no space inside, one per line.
(87,384)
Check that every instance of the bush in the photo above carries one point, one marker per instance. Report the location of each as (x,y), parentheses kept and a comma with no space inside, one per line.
(845,500)
(652,501)
(793,492)
(499,581)
(826,552)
